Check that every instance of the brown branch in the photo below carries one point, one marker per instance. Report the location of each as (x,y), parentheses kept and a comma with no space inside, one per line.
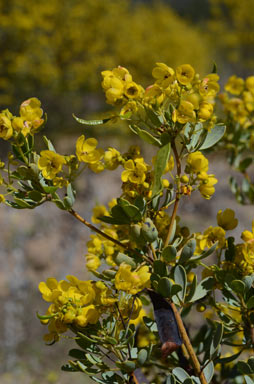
(106,236)
(187,343)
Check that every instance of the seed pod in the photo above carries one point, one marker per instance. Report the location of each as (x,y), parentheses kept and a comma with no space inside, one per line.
(149,231)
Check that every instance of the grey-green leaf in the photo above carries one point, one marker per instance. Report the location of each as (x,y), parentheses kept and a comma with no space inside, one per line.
(169,253)
(181,279)
(160,165)
(209,372)
(203,288)
(92,122)
(213,136)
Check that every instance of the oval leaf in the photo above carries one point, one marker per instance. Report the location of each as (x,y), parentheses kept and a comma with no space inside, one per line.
(213,136)
(160,165)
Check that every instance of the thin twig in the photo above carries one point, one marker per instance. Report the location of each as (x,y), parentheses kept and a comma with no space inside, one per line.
(187,343)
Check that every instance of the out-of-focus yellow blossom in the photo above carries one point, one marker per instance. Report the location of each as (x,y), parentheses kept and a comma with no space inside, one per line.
(92,262)
(248,99)
(206,187)
(94,246)
(98,210)
(96,167)
(135,171)
(112,158)
(139,319)
(185,74)
(60,182)
(128,308)
(234,85)
(132,281)
(163,74)
(185,112)
(86,150)
(112,203)
(210,236)
(226,219)
(6,130)
(105,296)
(209,86)
(250,84)
(50,163)
(30,110)
(205,111)
(197,162)
(248,235)
(2,198)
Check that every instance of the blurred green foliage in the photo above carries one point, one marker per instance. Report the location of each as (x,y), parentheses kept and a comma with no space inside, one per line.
(55,50)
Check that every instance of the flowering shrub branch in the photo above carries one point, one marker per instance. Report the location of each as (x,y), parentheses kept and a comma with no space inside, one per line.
(151,272)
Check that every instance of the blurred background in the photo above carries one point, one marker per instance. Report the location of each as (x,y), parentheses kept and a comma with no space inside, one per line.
(55,50)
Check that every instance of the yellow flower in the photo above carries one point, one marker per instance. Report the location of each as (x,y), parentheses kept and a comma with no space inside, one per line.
(135,171)
(132,90)
(50,290)
(163,74)
(185,112)
(227,219)
(98,210)
(96,167)
(86,150)
(132,282)
(89,315)
(6,130)
(248,99)
(30,110)
(113,85)
(2,198)
(153,94)
(209,86)
(112,158)
(206,187)
(19,124)
(92,262)
(234,85)
(50,163)
(197,162)
(129,108)
(112,203)
(248,252)
(185,74)
(250,84)
(205,111)
(248,235)
(211,236)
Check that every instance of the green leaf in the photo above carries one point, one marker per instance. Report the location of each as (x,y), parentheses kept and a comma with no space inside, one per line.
(77,354)
(203,288)
(122,258)
(35,195)
(248,380)
(22,203)
(181,279)
(187,251)
(155,118)
(170,379)
(175,289)
(132,212)
(70,194)
(67,202)
(127,366)
(192,289)
(59,204)
(225,360)
(148,138)
(160,268)
(92,122)
(142,356)
(49,144)
(213,137)
(243,367)
(45,317)
(209,372)
(251,363)
(180,374)
(164,287)
(68,368)
(188,381)
(160,165)
(216,339)
(237,286)
(151,324)
(169,253)
(205,254)
(244,164)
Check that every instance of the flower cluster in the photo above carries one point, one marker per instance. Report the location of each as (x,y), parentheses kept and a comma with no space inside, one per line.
(197,167)
(28,122)
(238,100)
